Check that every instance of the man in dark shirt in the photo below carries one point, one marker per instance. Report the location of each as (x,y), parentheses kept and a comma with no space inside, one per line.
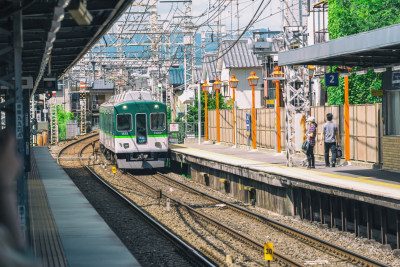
(330,138)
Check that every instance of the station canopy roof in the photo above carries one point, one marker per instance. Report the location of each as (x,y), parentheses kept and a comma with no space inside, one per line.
(376,48)
(72,40)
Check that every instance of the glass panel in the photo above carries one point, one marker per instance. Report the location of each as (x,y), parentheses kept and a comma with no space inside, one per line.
(141,129)
(394,111)
(157,121)
(124,122)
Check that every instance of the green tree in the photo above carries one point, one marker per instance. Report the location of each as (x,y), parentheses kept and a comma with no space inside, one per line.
(62,118)
(347,17)
(211,104)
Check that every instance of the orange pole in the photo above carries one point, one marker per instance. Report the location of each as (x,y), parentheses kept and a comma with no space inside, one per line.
(278,119)
(218,128)
(254,119)
(234,121)
(346,119)
(205,117)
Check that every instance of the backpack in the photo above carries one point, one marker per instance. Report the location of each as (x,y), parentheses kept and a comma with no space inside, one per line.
(339,152)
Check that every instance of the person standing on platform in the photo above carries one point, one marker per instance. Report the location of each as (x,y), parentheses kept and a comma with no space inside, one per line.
(330,138)
(311,133)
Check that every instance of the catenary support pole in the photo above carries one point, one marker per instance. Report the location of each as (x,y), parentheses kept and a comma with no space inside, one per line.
(199,112)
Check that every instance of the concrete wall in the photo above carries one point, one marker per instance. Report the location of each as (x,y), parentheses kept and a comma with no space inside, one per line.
(268,191)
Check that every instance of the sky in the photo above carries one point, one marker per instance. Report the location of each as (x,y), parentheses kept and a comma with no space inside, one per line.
(247,8)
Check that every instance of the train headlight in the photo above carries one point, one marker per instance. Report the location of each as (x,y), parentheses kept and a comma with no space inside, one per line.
(124,107)
(156,106)
(126,145)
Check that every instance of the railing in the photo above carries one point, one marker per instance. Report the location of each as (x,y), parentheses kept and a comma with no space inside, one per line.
(320,36)
(177,134)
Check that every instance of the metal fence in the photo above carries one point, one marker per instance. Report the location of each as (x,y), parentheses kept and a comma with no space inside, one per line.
(178,131)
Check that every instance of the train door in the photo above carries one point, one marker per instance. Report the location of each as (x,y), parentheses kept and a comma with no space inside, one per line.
(141,128)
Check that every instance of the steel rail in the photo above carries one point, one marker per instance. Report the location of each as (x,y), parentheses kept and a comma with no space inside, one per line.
(73,143)
(194,255)
(244,238)
(306,238)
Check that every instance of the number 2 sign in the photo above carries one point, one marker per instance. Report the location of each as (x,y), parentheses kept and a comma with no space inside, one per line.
(331,79)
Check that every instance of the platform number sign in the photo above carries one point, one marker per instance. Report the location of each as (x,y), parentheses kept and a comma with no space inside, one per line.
(331,79)
(269,251)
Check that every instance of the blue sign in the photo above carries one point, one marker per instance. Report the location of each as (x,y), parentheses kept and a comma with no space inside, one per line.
(331,79)
(248,117)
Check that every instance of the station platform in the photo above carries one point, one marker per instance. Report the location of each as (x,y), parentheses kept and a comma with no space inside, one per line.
(65,229)
(373,186)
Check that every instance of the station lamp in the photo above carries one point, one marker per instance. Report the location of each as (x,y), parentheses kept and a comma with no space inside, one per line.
(233,82)
(277,73)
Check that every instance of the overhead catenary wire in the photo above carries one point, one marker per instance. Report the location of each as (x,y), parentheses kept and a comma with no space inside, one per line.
(255,16)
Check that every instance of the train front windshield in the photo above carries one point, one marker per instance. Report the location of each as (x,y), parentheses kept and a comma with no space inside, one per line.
(157,121)
(141,129)
(124,122)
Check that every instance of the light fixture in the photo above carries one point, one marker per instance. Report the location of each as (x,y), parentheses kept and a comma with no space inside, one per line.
(51,37)
(205,87)
(63,3)
(49,45)
(58,14)
(344,74)
(79,12)
(217,84)
(55,26)
(253,79)
(361,72)
(395,68)
(379,70)
(233,83)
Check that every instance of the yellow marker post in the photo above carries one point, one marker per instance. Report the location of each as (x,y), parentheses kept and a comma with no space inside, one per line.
(269,252)
(114,170)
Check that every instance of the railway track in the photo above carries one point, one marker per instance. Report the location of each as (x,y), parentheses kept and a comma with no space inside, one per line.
(191,255)
(346,256)
(329,248)
(279,257)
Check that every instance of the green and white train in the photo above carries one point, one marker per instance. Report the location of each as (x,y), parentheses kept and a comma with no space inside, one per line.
(133,131)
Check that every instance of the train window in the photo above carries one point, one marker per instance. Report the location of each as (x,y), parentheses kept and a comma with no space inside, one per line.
(141,129)
(157,121)
(124,122)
